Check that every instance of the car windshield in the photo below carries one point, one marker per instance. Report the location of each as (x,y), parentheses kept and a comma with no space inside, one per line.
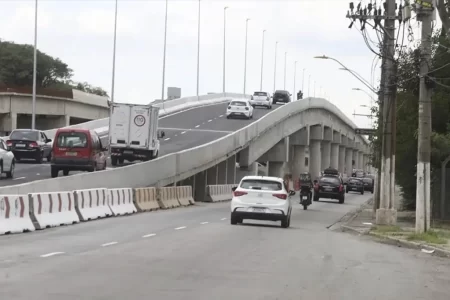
(333,180)
(368,180)
(354,181)
(265,185)
(238,103)
(259,94)
(359,174)
(27,135)
(72,140)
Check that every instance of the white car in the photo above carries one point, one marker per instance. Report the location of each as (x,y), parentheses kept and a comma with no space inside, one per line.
(261,99)
(261,198)
(239,108)
(7,160)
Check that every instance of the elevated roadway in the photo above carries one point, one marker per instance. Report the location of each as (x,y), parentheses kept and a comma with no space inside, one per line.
(185,129)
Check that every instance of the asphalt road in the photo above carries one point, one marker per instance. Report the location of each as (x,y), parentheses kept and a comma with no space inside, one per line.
(184,130)
(194,253)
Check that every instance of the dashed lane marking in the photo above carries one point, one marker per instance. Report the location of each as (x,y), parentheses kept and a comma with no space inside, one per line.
(203,223)
(223,219)
(179,228)
(167,139)
(51,254)
(149,235)
(109,244)
(19,178)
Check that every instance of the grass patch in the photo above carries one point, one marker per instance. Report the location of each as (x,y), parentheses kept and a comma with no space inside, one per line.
(386,229)
(432,237)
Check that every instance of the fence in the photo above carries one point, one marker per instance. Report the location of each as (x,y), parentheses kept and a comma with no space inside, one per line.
(440,195)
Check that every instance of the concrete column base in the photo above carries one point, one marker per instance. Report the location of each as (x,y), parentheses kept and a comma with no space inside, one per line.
(276,169)
(385,216)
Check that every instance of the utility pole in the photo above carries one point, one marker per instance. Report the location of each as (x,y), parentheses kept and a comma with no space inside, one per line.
(424,12)
(385,211)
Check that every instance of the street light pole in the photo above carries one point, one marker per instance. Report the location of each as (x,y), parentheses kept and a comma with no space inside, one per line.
(33,111)
(314,89)
(309,85)
(224,44)
(164,55)
(198,51)
(285,55)
(245,57)
(303,81)
(295,74)
(113,77)
(275,68)
(262,60)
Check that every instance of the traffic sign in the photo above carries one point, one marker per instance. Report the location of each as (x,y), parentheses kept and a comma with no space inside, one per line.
(365,131)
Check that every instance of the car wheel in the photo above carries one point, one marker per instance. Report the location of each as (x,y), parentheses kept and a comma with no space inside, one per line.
(341,199)
(54,172)
(10,174)
(40,158)
(65,172)
(362,192)
(228,117)
(233,220)
(285,222)
(305,207)
(113,161)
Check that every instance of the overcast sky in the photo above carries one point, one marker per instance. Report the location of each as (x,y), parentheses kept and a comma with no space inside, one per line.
(80,32)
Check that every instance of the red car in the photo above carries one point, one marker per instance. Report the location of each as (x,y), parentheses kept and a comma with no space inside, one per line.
(77,150)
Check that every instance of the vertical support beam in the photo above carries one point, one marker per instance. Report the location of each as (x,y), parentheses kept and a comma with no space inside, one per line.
(348,161)
(231,169)
(334,156)
(200,186)
(276,169)
(314,158)
(326,155)
(341,164)
(211,176)
(222,172)
(298,163)
(355,158)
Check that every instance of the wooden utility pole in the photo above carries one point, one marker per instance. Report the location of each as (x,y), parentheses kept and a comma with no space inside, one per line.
(424,11)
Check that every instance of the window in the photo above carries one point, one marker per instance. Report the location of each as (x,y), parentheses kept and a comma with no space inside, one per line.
(258,184)
(259,94)
(354,181)
(72,140)
(238,103)
(27,135)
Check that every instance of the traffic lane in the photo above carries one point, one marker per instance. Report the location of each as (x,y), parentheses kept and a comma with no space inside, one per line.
(219,260)
(26,171)
(190,118)
(79,238)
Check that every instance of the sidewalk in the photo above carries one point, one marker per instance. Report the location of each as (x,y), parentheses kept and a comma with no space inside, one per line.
(436,241)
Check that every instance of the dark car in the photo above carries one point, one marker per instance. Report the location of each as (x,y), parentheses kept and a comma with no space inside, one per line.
(358,173)
(281,96)
(368,184)
(329,187)
(355,185)
(29,144)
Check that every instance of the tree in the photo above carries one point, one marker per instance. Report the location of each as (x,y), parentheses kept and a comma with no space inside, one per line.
(443,8)
(16,61)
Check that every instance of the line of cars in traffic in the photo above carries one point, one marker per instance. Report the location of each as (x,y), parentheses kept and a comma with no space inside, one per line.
(244,108)
(269,198)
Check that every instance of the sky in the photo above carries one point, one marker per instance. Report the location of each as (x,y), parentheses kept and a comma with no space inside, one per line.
(80,33)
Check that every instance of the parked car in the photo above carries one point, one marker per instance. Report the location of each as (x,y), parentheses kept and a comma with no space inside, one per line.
(281,96)
(261,99)
(7,160)
(262,198)
(29,144)
(77,150)
(355,185)
(369,184)
(239,108)
(329,186)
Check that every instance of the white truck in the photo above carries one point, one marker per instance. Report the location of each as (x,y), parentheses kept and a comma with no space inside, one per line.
(133,133)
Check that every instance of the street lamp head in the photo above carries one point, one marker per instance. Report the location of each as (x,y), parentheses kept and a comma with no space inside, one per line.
(248,19)
(322,57)
(225,8)
(356,89)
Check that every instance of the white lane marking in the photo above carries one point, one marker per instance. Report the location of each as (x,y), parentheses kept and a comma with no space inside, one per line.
(183,132)
(223,219)
(167,139)
(203,223)
(192,108)
(194,130)
(220,116)
(38,174)
(149,235)
(179,228)
(109,244)
(18,178)
(176,134)
(51,254)
(209,121)
(197,126)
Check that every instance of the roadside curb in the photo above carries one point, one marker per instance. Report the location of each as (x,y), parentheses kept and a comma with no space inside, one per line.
(349,217)
(409,244)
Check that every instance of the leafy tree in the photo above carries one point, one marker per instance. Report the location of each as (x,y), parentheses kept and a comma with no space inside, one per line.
(16,61)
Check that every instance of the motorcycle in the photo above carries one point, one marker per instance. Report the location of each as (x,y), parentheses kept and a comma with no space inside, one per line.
(305,196)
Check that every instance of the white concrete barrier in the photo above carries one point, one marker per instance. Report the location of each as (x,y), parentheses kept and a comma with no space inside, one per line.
(218,193)
(146,199)
(92,204)
(184,195)
(15,214)
(121,201)
(167,197)
(53,209)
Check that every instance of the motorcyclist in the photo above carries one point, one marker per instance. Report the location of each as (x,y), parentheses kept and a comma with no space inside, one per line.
(305,185)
